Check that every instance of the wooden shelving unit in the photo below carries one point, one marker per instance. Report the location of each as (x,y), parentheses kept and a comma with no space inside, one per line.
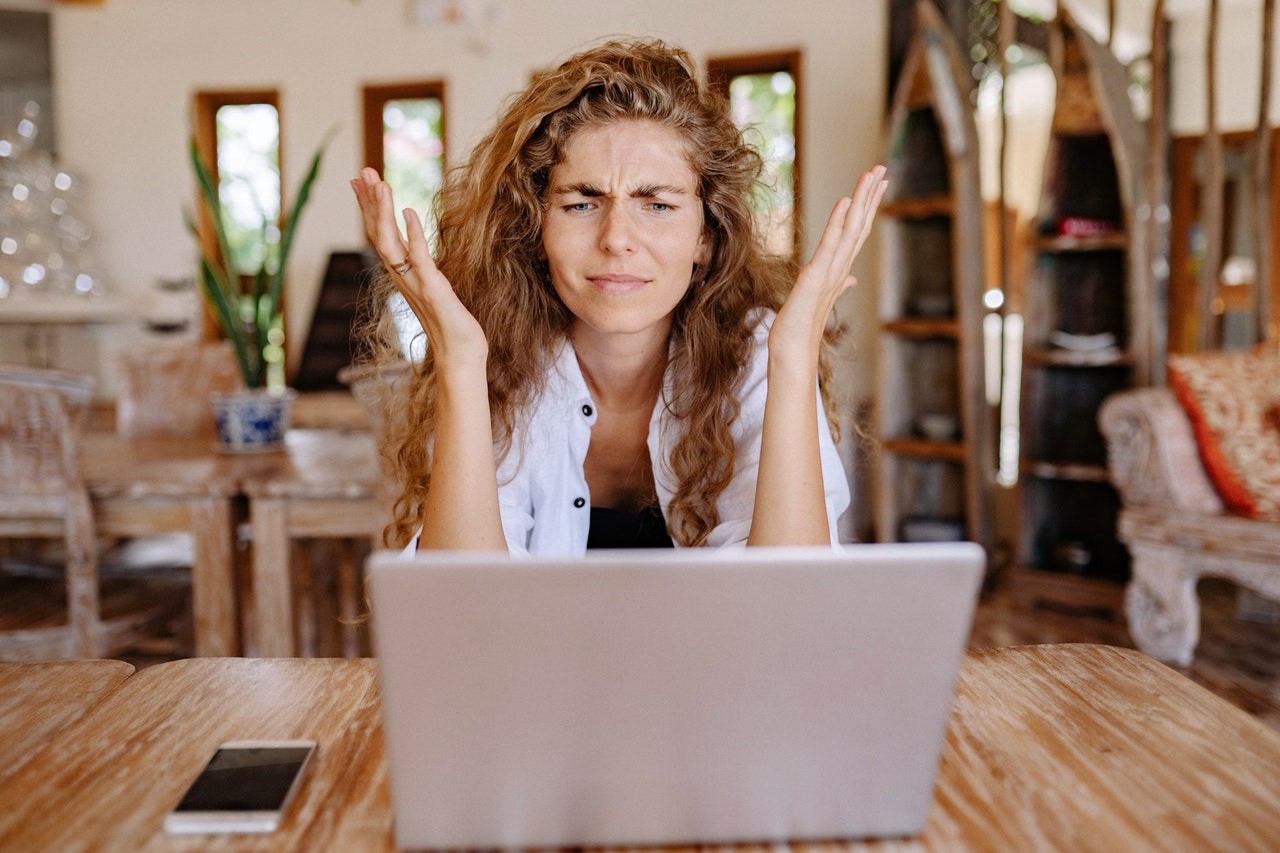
(936,449)
(1087,330)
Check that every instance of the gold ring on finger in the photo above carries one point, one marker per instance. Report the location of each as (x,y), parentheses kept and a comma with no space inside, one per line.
(403,267)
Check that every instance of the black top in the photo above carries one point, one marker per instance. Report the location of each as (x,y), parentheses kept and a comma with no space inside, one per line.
(615,528)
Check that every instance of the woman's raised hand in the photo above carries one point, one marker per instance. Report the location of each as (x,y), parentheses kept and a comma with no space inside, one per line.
(453,334)
(803,317)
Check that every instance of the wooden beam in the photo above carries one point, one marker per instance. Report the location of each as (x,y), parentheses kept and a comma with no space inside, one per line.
(1211,204)
(1156,189)
(1262,195)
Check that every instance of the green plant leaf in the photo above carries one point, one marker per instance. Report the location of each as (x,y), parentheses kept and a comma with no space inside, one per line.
(228,314)
(213,203)
(291,224)
(222,285)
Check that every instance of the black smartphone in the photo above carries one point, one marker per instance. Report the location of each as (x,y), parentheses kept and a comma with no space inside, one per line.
(246,787)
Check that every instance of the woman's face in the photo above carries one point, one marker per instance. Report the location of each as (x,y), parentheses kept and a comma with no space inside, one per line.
(623,227)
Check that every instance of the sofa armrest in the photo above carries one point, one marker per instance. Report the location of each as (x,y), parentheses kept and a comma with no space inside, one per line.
(1152,457)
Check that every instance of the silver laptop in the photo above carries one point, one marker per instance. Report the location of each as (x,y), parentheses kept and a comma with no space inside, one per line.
(654,698)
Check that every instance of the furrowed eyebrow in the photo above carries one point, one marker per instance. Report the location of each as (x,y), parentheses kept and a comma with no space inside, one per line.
(652,190)
(592,191)
(583,189)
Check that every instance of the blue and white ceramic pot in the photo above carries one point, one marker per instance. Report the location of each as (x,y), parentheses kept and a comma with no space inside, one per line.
(252,421)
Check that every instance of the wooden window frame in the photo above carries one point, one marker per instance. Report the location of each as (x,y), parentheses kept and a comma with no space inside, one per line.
(207,104)
(1184,192)
(722,69)
(375,96)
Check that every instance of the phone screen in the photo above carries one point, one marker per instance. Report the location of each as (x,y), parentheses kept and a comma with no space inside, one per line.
(245,779)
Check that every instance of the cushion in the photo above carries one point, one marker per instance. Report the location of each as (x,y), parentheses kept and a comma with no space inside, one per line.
(1231,399)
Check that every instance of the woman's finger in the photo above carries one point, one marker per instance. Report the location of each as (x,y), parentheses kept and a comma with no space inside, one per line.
(871,205)
(418,253)
(829,242)
(846,227)
(376,208)
(865,199)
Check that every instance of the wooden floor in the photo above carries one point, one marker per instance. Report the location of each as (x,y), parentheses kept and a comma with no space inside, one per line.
(1236,659)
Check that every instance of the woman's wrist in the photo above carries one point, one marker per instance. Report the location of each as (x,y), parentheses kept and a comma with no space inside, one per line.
(793,361)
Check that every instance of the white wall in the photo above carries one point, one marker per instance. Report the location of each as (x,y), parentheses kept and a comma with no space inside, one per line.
(125,73)
(1238,55)
(1239,62)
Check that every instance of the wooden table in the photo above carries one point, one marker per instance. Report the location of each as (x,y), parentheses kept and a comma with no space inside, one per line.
(37,700)
(1049,748)
(326,486)
(142,487)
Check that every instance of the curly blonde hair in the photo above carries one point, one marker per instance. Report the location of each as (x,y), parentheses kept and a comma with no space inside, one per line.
(489,246)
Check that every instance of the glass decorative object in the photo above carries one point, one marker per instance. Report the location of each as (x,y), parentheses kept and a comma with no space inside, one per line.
(45,242)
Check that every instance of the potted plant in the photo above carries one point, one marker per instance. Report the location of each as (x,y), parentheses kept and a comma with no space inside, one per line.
(247,308)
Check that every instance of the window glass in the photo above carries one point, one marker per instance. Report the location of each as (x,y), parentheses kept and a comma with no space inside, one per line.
(765,105)
(413,151)
(248,142)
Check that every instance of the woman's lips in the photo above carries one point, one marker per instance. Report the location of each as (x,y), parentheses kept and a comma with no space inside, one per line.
(615,283)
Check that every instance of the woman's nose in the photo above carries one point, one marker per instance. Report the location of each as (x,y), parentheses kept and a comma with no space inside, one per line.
(616,233)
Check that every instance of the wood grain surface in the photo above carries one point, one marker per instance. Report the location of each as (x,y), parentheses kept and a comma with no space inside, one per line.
(37,700)
(145,486)
(1063,747)
(106,782)
(1085,747)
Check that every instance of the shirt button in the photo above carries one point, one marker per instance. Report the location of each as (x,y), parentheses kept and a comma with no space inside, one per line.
(587,410)
(579,502)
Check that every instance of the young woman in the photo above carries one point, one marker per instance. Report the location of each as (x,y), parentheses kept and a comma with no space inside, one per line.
(613,359)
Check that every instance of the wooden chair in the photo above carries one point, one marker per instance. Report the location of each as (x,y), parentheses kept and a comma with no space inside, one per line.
(164,390)
(378,389)
(381,391)
(43,495)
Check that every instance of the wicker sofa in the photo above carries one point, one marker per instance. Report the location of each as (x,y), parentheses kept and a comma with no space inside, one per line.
(1175,524)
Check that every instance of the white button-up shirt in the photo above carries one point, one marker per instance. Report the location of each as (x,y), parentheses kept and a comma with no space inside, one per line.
(542,486)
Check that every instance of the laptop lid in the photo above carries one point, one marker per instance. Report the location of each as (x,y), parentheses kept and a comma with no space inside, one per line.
(653,698)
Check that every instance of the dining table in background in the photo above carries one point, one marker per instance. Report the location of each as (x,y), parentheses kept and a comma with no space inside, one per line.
(326,486)
(1058,747)
(147,486)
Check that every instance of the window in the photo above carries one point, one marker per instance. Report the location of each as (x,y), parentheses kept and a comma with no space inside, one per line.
(764,96)
(238,136)
(404,141)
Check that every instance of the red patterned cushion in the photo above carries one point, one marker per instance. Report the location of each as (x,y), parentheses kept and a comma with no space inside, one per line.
(1231,399)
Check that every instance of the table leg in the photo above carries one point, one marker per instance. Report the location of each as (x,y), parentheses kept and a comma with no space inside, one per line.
(213,579)
(272,587)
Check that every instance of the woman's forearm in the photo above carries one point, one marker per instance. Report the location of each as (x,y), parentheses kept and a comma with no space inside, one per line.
(460,511)
(790,506)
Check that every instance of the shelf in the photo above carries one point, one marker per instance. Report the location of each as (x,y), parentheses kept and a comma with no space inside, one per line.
(923,448)
(929,337)
(68,310)
(1087,286)
(918,208)
(922,327)
(1072,471)
(1117,241)
(1054,357)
